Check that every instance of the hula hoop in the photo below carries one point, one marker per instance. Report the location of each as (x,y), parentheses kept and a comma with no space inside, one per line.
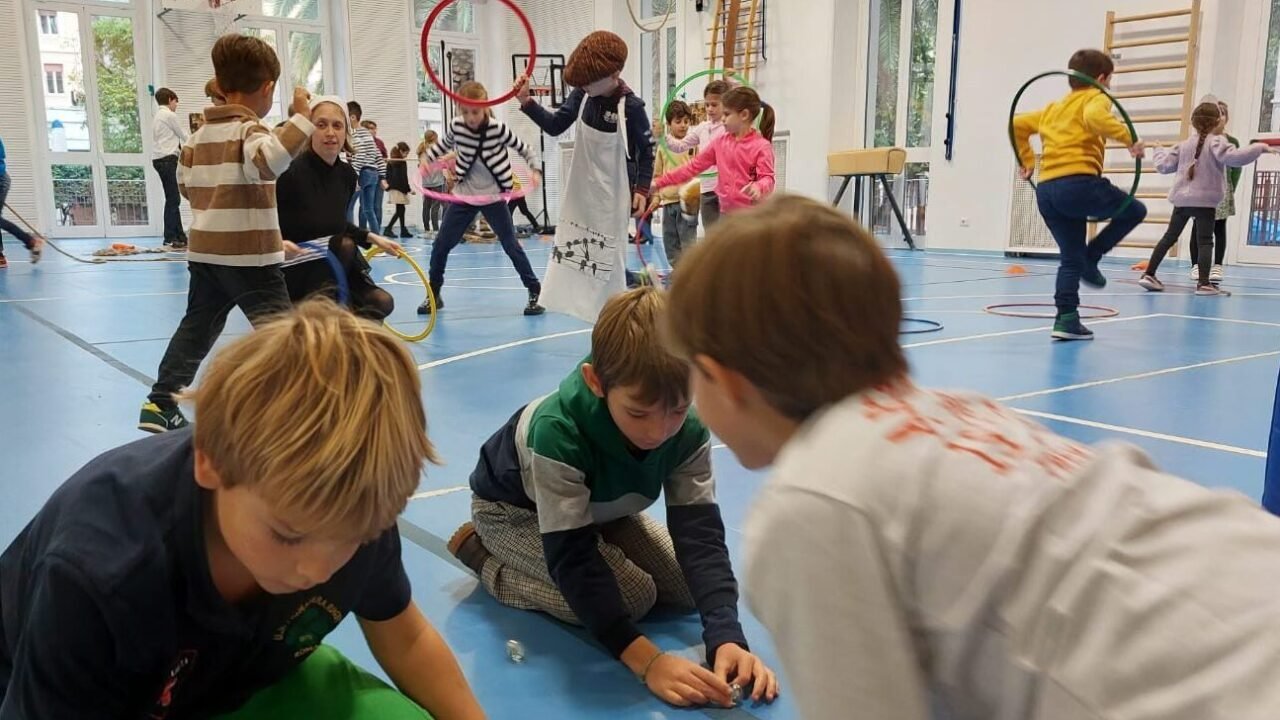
(527,186)
(431,297)
(435,79)
(635,20)
(929,326)
(671,97)
(1133,132)
(999,309)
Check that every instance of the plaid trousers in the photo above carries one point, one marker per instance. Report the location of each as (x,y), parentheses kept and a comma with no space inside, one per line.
(637,548)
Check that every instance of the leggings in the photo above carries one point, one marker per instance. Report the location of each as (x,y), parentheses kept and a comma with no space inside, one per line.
(1203,218)
(1219,244)
(523,206)
(399,215)
(431,211)
(316,276)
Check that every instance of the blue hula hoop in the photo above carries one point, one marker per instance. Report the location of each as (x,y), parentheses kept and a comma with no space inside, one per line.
(929,326)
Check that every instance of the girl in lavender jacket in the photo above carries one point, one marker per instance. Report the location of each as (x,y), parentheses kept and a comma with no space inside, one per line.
(1199,162)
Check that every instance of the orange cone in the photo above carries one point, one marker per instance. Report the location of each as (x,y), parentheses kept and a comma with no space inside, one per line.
(1139,266)
(1016,270)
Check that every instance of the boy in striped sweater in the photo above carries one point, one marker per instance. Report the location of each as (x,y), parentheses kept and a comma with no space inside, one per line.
(482,146)
(227,172)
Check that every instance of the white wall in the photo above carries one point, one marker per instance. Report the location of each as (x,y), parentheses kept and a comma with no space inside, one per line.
(17,125)
(1002,44)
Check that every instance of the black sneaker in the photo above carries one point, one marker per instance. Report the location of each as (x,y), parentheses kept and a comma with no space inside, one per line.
(1093,277)
(154,419)
(425,307)
(533,308)
(405,234)
(468,548)
(1068,327)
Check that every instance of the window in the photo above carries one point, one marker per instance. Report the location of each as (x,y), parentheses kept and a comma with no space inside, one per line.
(292,9)
(53,80)
(1269,121)
(459,17)
(48,23)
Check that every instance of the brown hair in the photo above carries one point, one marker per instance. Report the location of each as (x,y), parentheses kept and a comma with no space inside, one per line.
(676,110)
(429,138)
(715,87)
(212,92)
(796,297)
(368,125)
(1093,63)
(320,413)
(626,352)
(243,64)
(473,90)
(164,96)
(744,98)
(1205,120)
(400,150)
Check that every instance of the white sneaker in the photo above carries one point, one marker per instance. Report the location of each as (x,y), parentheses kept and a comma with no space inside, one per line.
(1195,272)
(1215,274)
(1210,289)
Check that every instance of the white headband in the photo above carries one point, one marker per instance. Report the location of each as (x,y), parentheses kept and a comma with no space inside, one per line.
(321,99)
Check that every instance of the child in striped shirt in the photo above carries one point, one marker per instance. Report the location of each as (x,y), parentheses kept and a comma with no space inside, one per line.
(227,172)
(482,146)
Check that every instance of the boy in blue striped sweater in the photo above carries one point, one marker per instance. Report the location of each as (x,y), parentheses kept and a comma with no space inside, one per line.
(482,146)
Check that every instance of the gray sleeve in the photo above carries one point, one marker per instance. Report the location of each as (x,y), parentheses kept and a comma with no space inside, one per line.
(692,483)
(560,491)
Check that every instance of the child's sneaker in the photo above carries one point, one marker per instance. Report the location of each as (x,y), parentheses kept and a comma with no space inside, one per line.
(425,307)
(405,234)
(533,308)
(1093,277)
(36,249)
(468,548)
(4,261)
(1069,327)
(155,420)
(1195,273)
(1210,289)
(1215,274)
(1150,282)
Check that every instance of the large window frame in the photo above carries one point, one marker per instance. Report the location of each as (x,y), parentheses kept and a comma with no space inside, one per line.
(280,32)
(457,30)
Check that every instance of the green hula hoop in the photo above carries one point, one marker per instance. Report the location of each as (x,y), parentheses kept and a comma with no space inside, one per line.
(1133,132)
(671,97)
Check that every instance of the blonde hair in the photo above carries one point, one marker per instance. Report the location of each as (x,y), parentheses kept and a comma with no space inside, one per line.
(473,90)
(797,298)
(429,138)
(626,351)
(320,413)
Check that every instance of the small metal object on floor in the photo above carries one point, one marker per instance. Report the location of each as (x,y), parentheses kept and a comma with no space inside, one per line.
(735,694)
(515,651)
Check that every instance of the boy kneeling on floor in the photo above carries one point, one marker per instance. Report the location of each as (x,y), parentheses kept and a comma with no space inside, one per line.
(558,522)
(197,572)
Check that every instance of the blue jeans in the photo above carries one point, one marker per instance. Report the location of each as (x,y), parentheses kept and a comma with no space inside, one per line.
(1067,204)
(369,180)
(457,218)
(679,232)
(378,194)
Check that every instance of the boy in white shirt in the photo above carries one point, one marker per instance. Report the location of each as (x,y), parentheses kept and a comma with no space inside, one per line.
(169,133)
(952,554)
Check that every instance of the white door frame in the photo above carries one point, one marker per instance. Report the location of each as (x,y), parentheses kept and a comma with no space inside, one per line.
(282,28)
(1252,55)
(96,158)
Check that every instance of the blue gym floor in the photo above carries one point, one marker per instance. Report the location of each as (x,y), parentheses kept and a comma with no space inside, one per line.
(1188,379)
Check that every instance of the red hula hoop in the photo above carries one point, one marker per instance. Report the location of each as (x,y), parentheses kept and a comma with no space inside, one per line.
(641,222)
(435,79)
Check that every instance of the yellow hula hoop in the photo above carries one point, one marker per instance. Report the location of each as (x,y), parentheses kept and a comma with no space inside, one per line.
(431,298)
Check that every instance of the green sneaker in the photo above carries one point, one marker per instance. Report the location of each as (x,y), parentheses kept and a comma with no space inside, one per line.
(1069,327)
(154,420)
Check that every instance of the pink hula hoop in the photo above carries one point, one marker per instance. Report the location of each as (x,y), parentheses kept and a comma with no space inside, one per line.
(528,184)
(435,79)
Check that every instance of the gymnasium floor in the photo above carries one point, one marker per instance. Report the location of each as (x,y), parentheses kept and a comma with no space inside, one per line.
(1189,379)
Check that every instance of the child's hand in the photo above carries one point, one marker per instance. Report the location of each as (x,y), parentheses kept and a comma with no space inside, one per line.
(390,247)
(753,192)
(1138,149)
(522,89)
(739,667)
(291,250)
(683,683)
(301,102)
(637,204)
(1025,172)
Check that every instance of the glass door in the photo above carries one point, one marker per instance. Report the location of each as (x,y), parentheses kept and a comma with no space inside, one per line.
(86,62)
(454,52)
(1257,198)
(900,84)
(303,52)
(659,53)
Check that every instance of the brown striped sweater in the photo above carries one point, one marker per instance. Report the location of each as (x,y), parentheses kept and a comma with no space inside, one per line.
(228,173)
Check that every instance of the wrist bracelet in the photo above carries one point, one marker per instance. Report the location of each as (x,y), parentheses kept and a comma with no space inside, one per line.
(644,674)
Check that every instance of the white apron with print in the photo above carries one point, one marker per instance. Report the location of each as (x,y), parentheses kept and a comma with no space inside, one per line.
(588,262)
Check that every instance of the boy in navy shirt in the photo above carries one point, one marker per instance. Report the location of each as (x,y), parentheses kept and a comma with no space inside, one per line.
(190,573)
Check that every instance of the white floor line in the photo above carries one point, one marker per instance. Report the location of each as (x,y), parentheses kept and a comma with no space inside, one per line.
(1138,376)
(1218,319)
(95,298)
(438,493)
(1205,444)
(1005,333)
(504,346)
(1048,295)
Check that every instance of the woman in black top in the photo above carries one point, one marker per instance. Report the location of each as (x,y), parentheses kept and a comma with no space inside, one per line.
(311,198)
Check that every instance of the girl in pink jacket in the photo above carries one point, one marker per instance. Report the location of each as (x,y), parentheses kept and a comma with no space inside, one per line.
(742,155)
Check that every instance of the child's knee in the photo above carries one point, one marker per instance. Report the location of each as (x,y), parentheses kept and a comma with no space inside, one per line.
(639,595)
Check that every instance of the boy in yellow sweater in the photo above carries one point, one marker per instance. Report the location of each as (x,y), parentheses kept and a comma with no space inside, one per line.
(1073,131)
(679,229)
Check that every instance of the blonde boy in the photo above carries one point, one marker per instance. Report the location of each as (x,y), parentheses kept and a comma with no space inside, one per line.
(912,542)
(197,572)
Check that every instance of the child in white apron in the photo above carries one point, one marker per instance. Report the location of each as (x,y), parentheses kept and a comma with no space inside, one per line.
(608,180)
